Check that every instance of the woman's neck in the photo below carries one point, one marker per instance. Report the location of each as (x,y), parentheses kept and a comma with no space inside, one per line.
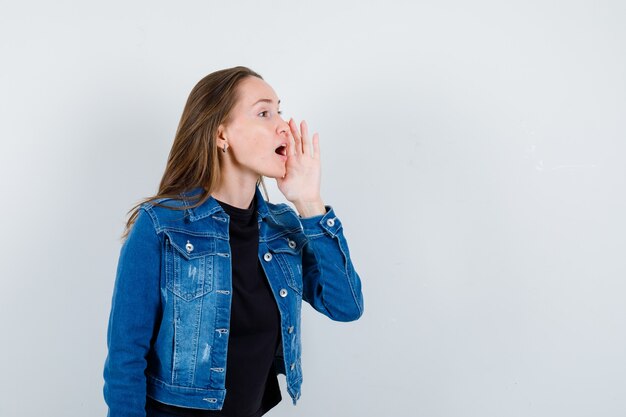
(237,192)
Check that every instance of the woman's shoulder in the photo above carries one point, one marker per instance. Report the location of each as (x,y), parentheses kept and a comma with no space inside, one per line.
(163,211)
(162,203)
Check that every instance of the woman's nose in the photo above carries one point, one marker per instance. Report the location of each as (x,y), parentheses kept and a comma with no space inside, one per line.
(283,127)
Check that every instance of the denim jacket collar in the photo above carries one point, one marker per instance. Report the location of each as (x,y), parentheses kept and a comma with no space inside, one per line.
(211,206)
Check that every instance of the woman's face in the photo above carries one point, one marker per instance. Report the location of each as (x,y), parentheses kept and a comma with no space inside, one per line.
(257,135)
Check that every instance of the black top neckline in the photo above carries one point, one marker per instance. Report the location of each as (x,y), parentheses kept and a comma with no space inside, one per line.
(240,214)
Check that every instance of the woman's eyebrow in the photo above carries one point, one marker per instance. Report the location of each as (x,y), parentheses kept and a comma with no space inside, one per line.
(266,100)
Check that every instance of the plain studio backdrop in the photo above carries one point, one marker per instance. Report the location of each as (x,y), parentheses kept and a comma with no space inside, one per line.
(475,152)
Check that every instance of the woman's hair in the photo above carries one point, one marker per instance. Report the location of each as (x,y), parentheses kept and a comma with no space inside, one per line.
(193,160)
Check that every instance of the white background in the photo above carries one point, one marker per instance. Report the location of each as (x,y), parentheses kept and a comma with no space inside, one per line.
(474,151)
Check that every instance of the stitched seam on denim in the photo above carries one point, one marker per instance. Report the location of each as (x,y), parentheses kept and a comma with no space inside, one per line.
(346,261)
(183,254)
(197,334)
(200,390)
(281,233)
(175,344)
(318,261)
(290,389)
(324,231)
(202,216)
(192,216)
(280,208)
(169,261)
(284,266)
(214,325)
(190,232)
(188,297)
(297,380)
(154,218)
(334,229)
(285,248)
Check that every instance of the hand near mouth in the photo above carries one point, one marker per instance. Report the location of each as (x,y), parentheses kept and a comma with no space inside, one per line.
(301,183)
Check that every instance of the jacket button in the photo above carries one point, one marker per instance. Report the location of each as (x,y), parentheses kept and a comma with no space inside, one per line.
(290,329)
(267,256)
(189,246)
(292,244)
(293,366)
(330,222)
(283,292)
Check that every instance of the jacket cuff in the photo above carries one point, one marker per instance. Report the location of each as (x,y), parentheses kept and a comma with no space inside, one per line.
(327,223)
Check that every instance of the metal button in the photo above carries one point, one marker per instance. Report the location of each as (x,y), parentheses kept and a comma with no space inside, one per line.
(292,244)
(267,256)
(189,246)
(283,292)
(293,366)
(290,329)
(330,222)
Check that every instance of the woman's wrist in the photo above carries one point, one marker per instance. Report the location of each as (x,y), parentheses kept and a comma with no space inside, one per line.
(310,208)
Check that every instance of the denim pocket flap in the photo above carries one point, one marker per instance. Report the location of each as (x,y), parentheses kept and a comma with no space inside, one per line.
(191,246)
(291,243)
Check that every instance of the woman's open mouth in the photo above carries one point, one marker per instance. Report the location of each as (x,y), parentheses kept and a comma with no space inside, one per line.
(282,150)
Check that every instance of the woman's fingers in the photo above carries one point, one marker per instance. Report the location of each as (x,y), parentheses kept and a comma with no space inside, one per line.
(292,144)
(301,142)
(306,143)
(296,136)
(316,145)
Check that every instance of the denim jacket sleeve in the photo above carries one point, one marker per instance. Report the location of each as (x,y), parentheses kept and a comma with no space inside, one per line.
(330,283)
(133,316)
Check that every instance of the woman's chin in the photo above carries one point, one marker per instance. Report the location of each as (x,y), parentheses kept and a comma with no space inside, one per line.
(276,174)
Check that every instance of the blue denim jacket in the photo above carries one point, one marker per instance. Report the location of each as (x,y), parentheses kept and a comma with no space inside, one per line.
(168,327)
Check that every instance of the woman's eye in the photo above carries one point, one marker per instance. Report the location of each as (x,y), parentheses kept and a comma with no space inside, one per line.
(267,111)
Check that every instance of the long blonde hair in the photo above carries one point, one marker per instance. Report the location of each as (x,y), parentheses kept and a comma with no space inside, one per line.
(193,160)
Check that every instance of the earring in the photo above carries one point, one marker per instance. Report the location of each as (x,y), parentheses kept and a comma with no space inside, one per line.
(224,149)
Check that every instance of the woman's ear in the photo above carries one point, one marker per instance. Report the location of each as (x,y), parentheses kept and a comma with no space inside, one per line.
(221,138)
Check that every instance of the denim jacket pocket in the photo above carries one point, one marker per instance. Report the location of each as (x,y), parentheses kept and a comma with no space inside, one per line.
(189,264)
(288,251)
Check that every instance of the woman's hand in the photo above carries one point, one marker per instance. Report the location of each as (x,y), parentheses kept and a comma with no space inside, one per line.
(301,183)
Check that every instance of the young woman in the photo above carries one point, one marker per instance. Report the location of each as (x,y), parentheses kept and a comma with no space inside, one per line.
(211,276)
